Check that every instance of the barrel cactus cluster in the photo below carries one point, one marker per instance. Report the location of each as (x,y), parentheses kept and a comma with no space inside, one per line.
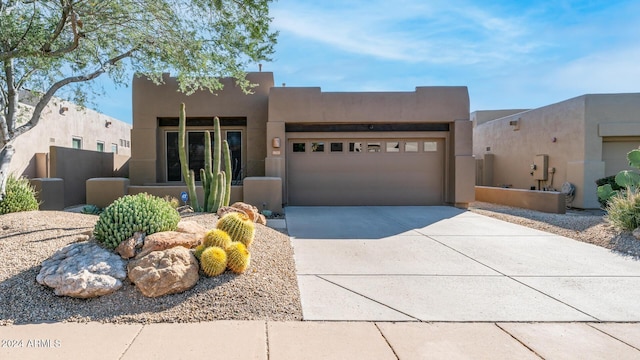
(226,246)
(131,213)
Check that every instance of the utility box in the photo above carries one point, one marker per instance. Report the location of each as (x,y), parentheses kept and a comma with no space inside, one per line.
(540,167)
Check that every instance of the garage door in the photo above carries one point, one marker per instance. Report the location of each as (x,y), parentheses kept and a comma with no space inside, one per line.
(614,154)
(381,171)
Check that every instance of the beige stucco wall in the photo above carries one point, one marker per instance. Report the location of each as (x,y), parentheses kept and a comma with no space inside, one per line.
(425,105)
(57,128)
(151,101)
(570,132)
(482,116)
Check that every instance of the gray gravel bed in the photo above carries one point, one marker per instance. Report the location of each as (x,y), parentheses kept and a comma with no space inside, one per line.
(589,226)
(267,291)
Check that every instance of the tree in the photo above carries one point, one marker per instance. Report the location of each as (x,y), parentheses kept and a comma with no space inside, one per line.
(61,45)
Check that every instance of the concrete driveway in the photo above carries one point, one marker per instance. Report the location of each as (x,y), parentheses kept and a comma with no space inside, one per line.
(446,264)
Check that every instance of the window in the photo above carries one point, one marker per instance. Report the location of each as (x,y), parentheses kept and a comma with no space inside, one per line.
(336,147)
(114,148)
(374,147)
(411,146)
(317,147)
(393,146)
(76,143)
(298,147)
(100,146)
(355,147)
(196,153)
(430,146)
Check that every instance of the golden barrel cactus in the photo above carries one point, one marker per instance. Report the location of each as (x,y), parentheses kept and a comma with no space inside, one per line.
(239,227)
(238,257)
(213,261)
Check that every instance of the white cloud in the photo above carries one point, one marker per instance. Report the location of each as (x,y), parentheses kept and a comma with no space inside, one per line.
(407,31)
(614,70)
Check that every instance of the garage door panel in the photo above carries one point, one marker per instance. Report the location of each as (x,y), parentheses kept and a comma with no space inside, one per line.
(363,178)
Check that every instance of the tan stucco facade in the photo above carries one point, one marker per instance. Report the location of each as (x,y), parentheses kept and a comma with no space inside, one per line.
(437,117)
(60,124)
(152,102)
(585,138)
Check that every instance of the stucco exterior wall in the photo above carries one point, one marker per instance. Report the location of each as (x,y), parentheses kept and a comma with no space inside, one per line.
(57,128)
(571,132)
(151,101)
(425,105)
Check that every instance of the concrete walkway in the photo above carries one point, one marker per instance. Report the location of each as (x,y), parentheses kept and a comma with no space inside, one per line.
(400,283)
(321,340)
(447,264)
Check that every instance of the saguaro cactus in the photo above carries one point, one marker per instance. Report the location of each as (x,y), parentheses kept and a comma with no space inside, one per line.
(189,175)
(216,183)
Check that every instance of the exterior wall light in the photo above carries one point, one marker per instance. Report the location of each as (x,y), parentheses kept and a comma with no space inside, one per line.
(63,109)
(275,142)
(107,124)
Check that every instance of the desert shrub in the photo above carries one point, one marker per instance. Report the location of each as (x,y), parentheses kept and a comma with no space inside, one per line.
(19,196)
(131,213)
(175,203)
(623,210)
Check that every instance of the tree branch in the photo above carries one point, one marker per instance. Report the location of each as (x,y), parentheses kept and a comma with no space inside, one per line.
(66,9)
(44,100)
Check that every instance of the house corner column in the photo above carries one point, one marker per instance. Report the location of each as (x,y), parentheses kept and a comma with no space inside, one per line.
(465,163)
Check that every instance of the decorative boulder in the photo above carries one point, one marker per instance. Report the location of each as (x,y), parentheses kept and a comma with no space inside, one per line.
(250,210)
(166,240)
(83,270)
(192,227)
(224,210)
(127,249)
(164,272)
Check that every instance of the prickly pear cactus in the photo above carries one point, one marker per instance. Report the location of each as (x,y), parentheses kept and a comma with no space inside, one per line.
(213,261)
(131,213)
(238,257)
(239,227)
(216,237)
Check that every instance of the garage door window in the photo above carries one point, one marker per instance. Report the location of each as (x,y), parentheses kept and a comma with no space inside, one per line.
(393,146)
(374,147)
(336,147)
(411,146)
(317,147)
(430,146)
(355,147)
(298,147)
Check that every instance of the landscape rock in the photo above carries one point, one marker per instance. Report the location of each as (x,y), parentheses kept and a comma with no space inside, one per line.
(224,210)
(636,233)
(262,220)
(127,248)
(192,227)
(166,240)
(164,272)
(250,210)
(83,270)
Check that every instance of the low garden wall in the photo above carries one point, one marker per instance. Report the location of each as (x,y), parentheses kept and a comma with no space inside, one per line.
(545,201)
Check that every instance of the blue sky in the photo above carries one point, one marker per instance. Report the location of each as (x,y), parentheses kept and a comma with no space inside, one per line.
(510,54)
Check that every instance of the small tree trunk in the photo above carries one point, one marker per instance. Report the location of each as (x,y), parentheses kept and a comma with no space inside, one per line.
(5,160)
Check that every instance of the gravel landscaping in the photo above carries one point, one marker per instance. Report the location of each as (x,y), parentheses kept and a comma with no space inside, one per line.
(590,226)
(267,291)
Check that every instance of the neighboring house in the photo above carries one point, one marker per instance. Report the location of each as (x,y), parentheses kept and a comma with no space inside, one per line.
(64,124)
(328,148)
(578,141)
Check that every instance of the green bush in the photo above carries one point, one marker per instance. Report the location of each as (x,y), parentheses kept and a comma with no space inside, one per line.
(19,196)
(623,210)
(131,213)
